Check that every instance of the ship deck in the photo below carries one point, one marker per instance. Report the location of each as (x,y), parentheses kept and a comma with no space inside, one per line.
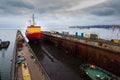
(95,74)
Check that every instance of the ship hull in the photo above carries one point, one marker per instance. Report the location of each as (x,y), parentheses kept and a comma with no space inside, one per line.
(92,72)
(34,36)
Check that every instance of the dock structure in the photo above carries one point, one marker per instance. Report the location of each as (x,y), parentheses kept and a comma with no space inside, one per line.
(25,65)
(102,53)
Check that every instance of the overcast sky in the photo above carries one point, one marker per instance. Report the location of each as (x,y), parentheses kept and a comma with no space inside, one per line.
(48,13)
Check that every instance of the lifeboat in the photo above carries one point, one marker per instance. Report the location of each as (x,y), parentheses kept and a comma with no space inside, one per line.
(33,32)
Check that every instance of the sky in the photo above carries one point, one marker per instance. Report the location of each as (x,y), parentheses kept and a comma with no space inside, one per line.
(58,13)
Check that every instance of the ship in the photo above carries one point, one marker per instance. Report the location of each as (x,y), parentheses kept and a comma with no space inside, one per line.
(93,72)
(33,32)
(4,44)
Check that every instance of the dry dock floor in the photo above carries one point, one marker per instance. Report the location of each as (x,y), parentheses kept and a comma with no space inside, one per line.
(55,68)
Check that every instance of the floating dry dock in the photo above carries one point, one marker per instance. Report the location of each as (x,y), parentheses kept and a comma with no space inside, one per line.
(103,53)
(25,65)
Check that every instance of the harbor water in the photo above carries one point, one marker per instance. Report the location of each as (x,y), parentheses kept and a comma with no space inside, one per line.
(6,54)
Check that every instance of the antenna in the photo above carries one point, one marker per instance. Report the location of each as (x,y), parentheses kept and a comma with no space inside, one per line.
(33,20)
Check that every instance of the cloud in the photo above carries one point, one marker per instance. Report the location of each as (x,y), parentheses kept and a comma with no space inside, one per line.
(103,12)
(18,4)
(85,4)
(110,8)
(14,7)
(61,12)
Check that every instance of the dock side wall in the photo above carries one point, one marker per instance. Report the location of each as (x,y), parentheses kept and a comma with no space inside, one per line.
(106,59)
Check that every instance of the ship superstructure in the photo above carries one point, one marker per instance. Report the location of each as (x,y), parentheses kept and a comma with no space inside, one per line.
(33,32)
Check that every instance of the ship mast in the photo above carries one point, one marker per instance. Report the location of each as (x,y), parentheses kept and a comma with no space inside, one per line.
(33,20)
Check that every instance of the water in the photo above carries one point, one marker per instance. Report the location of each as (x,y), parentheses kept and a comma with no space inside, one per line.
(6,54)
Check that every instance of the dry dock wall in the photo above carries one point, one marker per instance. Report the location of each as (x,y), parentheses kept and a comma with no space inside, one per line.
(15,69)
(106,59)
